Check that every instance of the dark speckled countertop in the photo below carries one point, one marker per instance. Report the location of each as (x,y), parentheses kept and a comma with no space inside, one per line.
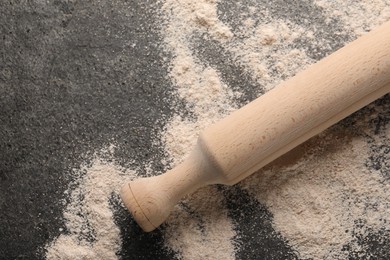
(68,88)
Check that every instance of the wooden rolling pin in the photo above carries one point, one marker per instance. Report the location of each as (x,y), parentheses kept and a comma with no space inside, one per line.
(270,126)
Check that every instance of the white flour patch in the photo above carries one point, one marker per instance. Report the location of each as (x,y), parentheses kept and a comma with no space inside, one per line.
(318,198)
(91,230)
(264,48)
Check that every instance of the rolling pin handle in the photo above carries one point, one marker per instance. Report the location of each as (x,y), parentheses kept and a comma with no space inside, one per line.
(150,200)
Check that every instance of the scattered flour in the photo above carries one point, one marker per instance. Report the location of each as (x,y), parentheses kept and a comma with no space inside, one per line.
(318,197)
(201,222)
(359,16)
(199,228)
(317,200)
(90,229)
(186,17)
(264,48)
(316,193)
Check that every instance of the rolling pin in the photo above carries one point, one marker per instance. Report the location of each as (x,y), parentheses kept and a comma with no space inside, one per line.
(270,126)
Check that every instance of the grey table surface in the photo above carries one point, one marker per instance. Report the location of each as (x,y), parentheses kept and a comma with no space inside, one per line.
(66,91)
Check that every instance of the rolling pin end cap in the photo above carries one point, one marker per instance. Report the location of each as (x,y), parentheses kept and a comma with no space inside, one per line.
(129,199)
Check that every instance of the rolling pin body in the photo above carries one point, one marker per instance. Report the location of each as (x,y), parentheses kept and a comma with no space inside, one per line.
(270,126)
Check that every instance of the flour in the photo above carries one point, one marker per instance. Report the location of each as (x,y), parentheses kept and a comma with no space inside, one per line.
(186,17)
(321,195)
(90,229)
(199,228)
(263,48)
(317,199)
(199,223)
(360,16)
